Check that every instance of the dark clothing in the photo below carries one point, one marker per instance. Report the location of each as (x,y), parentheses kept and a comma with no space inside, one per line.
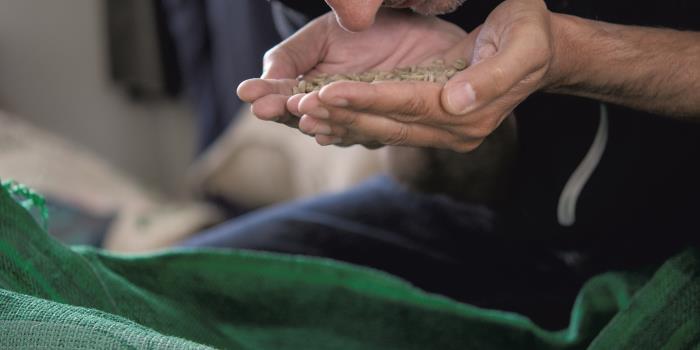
(641,199)
(648,178)
(435,243)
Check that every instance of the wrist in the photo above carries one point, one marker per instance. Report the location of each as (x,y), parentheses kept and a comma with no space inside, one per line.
(566,55)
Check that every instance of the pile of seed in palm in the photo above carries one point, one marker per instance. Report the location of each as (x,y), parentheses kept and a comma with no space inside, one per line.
(437,72)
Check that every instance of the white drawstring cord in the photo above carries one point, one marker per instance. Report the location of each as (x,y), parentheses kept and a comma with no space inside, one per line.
(566,210)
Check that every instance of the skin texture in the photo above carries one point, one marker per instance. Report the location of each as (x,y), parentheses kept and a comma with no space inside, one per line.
(396,39)
(400,113)
(650,69)
(460,116)
(521,48)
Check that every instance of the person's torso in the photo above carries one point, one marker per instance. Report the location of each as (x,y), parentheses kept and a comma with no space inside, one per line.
(645,182)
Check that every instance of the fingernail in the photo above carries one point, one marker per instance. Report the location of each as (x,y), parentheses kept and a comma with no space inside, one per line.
(321,113)
(323,129)
(339,102)
(461,98)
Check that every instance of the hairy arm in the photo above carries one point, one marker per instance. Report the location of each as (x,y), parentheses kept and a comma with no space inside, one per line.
(650,69)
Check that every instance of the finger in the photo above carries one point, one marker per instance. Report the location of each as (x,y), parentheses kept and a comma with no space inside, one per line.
(388,131)
(293,105)
(496,74)
(403,101)
(472,125)
(393,133)
(311,104)
(313,126)
(298,53)
(325,140)
(271,108)
(253,89)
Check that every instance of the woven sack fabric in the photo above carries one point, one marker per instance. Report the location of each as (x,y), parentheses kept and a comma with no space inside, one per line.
(54,296)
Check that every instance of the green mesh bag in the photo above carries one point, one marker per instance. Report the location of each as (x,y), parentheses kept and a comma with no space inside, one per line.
(54,296)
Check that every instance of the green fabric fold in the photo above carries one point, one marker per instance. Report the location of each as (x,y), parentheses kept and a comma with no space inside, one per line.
(83,298)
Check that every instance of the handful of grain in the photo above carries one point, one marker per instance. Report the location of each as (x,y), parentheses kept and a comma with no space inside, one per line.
(437,72)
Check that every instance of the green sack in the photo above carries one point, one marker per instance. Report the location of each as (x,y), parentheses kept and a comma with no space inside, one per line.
(53,296)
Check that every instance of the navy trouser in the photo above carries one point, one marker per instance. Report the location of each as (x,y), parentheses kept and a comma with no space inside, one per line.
(433,242)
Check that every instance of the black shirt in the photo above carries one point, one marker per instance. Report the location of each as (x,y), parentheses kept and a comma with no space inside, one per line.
(645,190)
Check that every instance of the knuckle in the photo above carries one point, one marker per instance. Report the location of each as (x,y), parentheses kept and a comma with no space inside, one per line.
(279,51)
(416,106)
(271,53)
(282,53)
(397,136)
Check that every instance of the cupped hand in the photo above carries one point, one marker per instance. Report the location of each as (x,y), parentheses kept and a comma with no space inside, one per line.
(510,55)
(396,39)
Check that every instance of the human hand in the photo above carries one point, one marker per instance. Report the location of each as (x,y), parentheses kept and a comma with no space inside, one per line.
(511,56)
(396,39)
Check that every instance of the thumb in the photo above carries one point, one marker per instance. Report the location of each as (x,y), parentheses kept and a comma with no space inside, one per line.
(459,94)
(297,54)
(493,73)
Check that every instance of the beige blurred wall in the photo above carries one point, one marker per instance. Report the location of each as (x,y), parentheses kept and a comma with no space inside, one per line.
(53,72)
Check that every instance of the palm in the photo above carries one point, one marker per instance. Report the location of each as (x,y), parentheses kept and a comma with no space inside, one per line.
(397,39)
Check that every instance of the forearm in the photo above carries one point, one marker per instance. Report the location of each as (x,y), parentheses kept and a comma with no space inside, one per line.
(651,69)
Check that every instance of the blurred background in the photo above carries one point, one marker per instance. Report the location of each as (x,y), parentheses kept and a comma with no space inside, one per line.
(55,73)
(123,114)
